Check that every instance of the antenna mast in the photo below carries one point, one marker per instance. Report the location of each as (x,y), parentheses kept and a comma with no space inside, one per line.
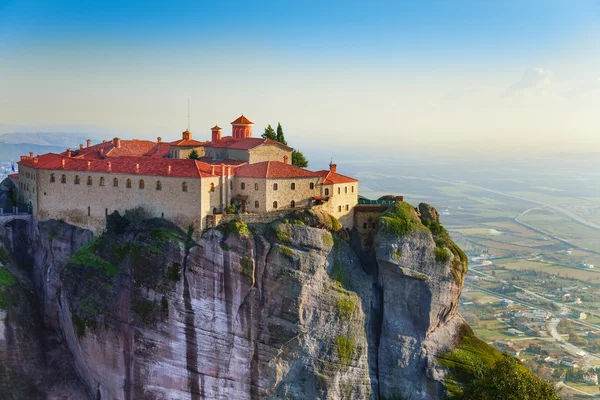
(188,113)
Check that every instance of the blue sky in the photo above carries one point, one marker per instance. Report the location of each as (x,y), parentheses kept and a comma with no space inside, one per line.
(440,72)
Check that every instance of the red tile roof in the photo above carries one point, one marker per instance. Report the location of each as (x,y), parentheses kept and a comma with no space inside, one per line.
(14,176)
(242,121)
(330,178)
(244,144)
(125,165)
(215,128)
(272,170)
(210,160)
(188,143)
(133,147)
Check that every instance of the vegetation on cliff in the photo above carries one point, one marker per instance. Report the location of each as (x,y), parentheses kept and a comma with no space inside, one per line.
(400,219)
(480,372)
(6,280)
(131,252)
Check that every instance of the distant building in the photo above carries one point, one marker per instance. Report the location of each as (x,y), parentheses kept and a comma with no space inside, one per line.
(515,332)
(582,315)
(590,378)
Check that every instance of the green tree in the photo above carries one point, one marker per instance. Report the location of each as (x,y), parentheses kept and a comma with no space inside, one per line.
(193,155)
(280,137)
(298,159)
(508,379)
(269,133)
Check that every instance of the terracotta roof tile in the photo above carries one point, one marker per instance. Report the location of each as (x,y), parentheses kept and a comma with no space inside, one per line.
(242,121)
(188,143)
(152,166)
(330,178)
(215,128)
(133,147)
(272,170)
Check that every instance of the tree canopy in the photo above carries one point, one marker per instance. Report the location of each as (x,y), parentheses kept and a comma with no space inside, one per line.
(280,136)
(193,155)
(269,133)
(298,159)
(507,379)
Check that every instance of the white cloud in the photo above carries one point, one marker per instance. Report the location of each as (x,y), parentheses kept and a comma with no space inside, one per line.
(536,82)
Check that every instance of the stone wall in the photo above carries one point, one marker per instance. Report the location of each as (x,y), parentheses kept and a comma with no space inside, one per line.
(269,152)
(366,219)
(87,205)
(342,200)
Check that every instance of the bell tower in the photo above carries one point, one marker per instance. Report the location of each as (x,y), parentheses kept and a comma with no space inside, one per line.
(241,128)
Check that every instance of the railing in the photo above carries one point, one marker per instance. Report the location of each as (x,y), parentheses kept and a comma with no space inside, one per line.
(376,202)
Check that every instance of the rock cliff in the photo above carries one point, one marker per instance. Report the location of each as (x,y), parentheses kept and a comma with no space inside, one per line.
(287,310)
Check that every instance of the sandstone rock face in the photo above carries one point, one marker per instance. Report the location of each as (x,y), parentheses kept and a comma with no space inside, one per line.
(285,311)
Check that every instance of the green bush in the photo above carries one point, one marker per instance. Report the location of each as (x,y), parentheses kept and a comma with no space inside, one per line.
(86,256)
(400,219)
(174,272)
(283,235)
(346,305)
(441,255)
(247,266)
(230,209)
(236,226)
(6,278)
(345,349)
(143,308)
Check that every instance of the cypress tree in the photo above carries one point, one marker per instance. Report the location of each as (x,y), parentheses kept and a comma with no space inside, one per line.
(280,137)
(269,133)
(193,155)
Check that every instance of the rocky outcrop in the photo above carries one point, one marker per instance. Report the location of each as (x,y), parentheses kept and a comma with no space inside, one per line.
(280,310)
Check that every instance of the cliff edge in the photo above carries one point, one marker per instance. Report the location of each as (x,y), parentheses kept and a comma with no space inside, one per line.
(284,310)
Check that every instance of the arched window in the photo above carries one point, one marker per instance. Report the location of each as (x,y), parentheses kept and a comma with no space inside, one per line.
(214,210)
(339,208)
(352,187)
(89,181)
(158,185)
(128,183)
(212,188)
(339,190)
(293,186)
(312,186)
(115,182)
(345,189)
(243,186)
(101,181)
(293,204)
(274,186)
(184,187)
(77,180)
(326,192)
(274,204)
(347,207)
(142,185)
(256,186)
(63,179)
(256,204)
(52,178)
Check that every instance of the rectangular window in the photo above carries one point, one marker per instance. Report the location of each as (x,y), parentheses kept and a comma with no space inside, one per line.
(339,208)
(347,207)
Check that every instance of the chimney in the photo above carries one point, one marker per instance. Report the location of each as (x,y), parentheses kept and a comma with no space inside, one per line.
(117,142)
(159,139)
(89,165)
(216,133)
(109,165)
(229,171)
(285,159)
(30,154)
(88,143)
(333,168)
(137,167)
(169,169)
(69,153)
(102,152)
(212,169)
(222,169)
(62,163)
(80,146)
(35,160)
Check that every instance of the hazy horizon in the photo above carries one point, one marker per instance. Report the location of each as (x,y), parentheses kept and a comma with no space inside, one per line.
(434,76)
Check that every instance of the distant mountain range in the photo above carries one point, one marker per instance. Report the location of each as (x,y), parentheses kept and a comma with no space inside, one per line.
(15,144)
